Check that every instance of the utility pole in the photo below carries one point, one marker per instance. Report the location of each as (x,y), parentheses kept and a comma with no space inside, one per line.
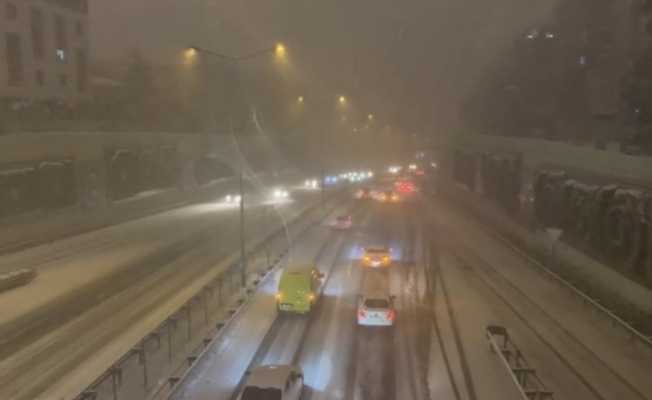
(280,53)
(322,184)
(243,252)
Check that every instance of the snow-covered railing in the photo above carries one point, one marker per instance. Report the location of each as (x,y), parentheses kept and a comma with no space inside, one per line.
(524,377)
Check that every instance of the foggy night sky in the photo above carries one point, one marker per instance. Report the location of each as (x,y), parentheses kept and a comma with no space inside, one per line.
(420,54)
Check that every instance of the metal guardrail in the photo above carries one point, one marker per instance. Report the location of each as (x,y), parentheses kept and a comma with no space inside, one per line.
(524,377)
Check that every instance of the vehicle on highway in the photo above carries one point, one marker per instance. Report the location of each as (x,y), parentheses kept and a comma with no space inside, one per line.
(375,257)
(405,186)
(376,309)
(232,198)
(343,222)
(280,194)
(273,382)
(311,184)
(388,196)
(363,194)
(298,289)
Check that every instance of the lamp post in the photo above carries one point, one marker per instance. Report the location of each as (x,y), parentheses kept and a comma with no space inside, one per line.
(280,52)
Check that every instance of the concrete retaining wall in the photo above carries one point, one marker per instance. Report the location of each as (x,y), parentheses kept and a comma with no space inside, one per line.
(538,153)
(93,205)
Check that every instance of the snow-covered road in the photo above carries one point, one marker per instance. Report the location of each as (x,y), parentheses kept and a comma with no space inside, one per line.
(99,287)
(340,360)
(436,350)
(575,355)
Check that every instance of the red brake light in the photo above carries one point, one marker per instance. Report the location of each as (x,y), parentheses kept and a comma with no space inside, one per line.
(362,313)
(391,314)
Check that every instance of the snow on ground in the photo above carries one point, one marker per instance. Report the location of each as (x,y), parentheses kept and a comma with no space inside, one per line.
(95,257)
(627,364)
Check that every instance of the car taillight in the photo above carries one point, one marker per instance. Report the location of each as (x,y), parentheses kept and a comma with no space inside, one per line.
(391,314)
(362,313)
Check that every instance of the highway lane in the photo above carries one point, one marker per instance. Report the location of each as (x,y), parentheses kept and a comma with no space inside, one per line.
(343,361)
(306,340)
(220,370)
(84,265)
(45,356)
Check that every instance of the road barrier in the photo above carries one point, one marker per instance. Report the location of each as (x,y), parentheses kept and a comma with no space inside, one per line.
(524,377)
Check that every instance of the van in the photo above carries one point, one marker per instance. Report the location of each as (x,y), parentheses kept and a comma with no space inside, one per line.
(298,289)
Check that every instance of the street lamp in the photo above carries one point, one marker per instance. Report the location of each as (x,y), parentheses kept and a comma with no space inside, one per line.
(280,52)
(370,117)
(342,100)
(190,53)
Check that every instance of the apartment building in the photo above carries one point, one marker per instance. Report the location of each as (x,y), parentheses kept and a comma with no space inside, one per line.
(44,49)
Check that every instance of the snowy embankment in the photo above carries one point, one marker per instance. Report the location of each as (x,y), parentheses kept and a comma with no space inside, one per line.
(601,278)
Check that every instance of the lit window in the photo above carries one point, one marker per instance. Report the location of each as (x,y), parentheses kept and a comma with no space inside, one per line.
(61,55)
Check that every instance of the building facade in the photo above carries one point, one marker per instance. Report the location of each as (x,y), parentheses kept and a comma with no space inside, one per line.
(44,50)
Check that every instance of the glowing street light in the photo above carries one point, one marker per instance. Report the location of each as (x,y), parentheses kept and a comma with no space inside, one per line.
(280,51)
(191,52)
(370,117)
(300,99)
(342,100)
(190,55)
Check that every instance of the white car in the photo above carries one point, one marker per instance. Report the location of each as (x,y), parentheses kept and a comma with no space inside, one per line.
(376,310)
(273,382)
(280,194)
(343,222)
(311,184)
